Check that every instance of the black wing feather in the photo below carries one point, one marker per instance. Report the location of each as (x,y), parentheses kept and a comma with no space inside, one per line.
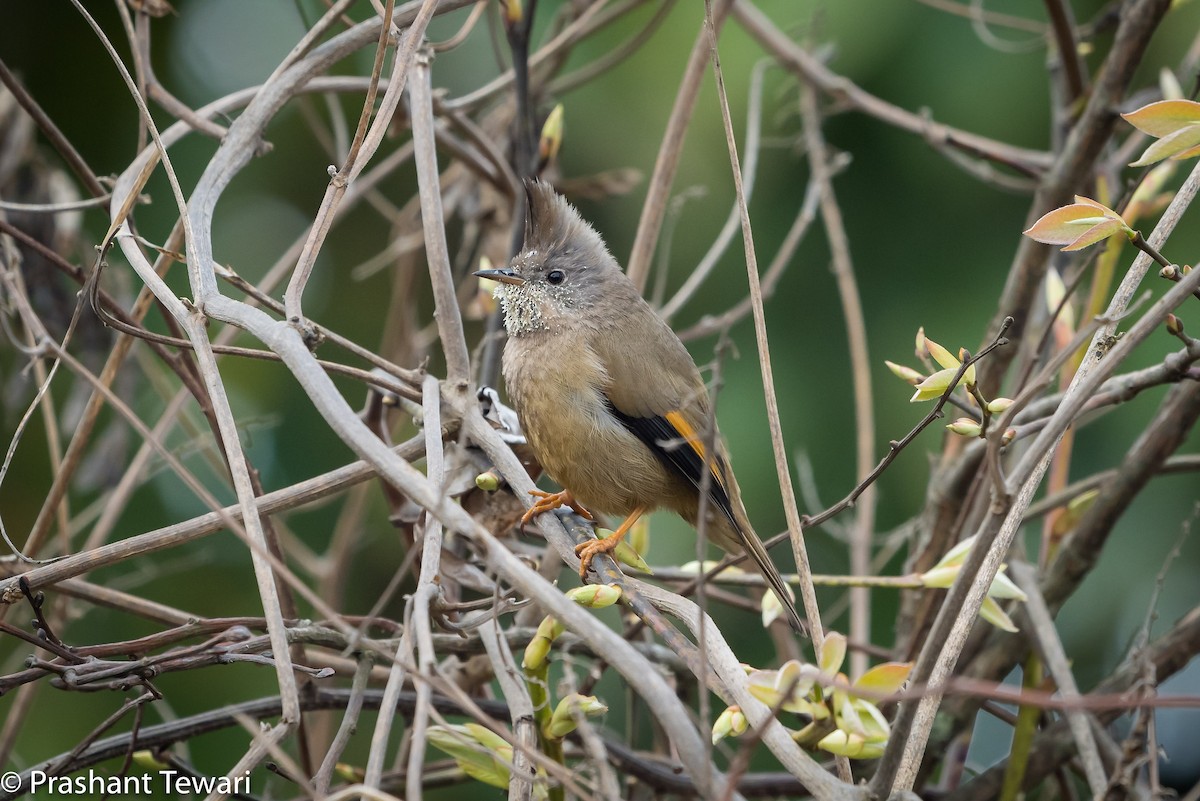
(668,444)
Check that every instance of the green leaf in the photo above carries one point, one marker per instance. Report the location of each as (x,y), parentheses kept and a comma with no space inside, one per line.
(941,355)
(833,653)
(886,678)
(1003,587)
(487,760)
(794,679)
(934,386)
(992,613)
(1182,144)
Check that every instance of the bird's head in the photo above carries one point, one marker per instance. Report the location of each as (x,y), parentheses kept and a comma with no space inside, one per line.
(563,272)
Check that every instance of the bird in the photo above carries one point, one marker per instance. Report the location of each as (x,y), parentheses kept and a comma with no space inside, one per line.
(610,401)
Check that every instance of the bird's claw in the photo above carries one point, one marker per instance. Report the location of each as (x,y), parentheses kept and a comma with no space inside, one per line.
(587,551)
(549,501)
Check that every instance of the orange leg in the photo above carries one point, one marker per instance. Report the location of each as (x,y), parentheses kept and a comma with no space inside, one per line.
(587,551)
(549,501)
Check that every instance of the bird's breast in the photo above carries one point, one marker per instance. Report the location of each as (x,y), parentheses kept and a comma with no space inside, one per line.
(557,386)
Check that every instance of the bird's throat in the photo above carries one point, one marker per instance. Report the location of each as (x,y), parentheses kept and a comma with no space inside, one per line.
(524,309)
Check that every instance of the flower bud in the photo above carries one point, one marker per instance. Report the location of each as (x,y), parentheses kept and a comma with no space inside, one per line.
(539,647)
(146,760)
(730,723)
(906,374)
(968,374)
(694,568)
(966,427)
(552,135)
(855,746)
(489,481)
(595,596)
(562,722)
(999,405)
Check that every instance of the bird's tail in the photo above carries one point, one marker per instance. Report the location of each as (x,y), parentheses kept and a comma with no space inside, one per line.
(762,560)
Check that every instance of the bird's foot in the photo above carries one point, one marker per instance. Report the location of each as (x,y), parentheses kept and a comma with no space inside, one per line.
(549,501)
(587,551)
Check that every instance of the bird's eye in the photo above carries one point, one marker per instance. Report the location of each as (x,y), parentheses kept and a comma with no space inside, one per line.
(556,277)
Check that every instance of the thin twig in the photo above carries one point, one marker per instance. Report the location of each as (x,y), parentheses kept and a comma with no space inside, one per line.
(1062,23)
(838,87)
(52,133)
(659,188)
(732,223)
(268,591)
(366,141)
(783,257)
(520,708)
(896,446)
(449,318)
(860,365)
(428,585)
(304,492)
(808,593)
(565,83)
(996,532)
(1051,647)
(587,24)
(348,725)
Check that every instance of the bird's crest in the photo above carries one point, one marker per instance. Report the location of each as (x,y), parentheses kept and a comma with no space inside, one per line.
(552,225)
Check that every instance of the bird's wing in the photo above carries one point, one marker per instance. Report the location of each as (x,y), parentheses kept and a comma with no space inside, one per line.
(679,446)
(656,392)
(675,440)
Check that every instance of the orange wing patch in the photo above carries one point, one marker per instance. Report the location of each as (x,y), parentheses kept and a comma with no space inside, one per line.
(665,437)
(695,442)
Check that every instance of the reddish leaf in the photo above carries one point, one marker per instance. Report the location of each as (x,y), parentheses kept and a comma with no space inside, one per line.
(1078,225)
(1164,117)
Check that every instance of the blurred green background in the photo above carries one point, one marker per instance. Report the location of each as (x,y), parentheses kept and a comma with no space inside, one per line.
(931,246)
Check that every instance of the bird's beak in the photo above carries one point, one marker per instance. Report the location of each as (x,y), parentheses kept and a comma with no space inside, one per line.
(504,276)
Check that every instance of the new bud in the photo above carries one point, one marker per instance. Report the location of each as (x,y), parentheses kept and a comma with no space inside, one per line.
(730,723)
(489,481)
(539,647)
(906,374)
(966,427)
(595,596)
(562,722)
(999,405)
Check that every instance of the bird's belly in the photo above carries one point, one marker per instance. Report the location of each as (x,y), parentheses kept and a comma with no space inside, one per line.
(577,440)
(598,469)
